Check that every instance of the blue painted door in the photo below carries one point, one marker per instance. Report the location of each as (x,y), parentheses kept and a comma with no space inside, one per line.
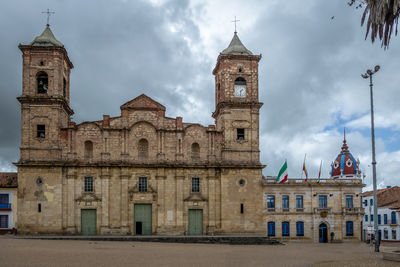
(323,233)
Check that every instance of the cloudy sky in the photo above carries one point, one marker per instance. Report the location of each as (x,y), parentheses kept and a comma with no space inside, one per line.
(313,53)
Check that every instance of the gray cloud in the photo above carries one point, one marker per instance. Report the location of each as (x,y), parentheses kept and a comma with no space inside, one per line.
(309,75)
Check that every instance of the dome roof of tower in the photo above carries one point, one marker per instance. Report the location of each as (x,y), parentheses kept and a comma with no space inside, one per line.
(236,47)
(46,39)
(345,166)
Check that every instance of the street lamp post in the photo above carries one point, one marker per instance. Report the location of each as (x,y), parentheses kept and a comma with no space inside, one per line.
(369,75)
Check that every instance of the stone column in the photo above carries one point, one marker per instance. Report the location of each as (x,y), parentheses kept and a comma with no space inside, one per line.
(105,218)
(71,178)
(180,177)
(161,198)
(211,202)
(124,203)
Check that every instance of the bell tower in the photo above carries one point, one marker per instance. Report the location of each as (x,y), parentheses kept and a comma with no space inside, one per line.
(45,97)
(236,102)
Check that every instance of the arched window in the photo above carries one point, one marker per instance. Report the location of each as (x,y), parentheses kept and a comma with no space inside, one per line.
(42,82)
(240,81)
(88,149)
(195,151)
(394,217)
(143,149)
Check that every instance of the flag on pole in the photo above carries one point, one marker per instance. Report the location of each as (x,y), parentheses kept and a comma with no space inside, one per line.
(283,175)
(304,167)
(319,174)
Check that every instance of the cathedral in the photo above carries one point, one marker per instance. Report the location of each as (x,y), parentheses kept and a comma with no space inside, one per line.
(143,173)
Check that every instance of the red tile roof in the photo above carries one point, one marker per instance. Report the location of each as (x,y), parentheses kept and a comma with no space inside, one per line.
(8,179)
(387,197)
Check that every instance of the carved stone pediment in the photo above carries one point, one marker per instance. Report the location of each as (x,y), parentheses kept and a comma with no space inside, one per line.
(196,197)
(88,197)
(135,190)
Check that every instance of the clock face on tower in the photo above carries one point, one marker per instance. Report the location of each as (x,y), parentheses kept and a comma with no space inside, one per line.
(240,90)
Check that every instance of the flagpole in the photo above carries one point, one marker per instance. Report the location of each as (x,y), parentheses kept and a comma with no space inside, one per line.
(303,165)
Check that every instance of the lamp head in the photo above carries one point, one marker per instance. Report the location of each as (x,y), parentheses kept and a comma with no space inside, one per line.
(369,72)
(377,67)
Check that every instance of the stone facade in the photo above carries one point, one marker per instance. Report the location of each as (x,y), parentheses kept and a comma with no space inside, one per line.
(101,177)
(342,205)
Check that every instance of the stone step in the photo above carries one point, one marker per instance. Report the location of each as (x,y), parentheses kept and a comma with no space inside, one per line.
(231,240)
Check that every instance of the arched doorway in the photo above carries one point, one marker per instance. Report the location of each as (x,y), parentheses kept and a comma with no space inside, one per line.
(323,233)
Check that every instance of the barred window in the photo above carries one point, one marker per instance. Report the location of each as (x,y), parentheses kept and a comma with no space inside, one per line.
(3,221)
(88,184)
(195,185)
(143,184)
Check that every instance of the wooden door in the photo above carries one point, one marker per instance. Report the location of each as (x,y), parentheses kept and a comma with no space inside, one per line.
(88,222)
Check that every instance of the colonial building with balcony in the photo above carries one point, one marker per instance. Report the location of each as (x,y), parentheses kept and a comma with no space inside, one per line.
(315,210)
(388,214)
(8,202)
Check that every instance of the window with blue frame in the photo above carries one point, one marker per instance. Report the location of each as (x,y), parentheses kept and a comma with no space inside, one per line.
(349,201)
(4,201)
(371,217)
(349,228)
(394,217)
(379,219)
(323,202)
(285,202)
(371,202)
(300,228)
(285,229)
(271,228)
(3,221)
(366,218)
(384,218)
(299,202)
(271,202)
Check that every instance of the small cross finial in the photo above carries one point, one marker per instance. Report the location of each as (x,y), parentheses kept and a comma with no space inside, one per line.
(48,12)
(344,133)
(235,20)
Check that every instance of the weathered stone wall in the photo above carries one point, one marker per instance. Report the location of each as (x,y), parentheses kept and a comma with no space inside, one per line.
(335,216)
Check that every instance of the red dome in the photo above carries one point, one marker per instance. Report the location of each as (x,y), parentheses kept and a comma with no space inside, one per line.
(345,166)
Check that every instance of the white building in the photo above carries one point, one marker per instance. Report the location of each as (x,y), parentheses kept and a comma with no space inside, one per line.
(388,214)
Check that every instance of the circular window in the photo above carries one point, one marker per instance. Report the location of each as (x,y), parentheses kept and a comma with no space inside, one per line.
(39,181)
(336,165)
(242,182)
(349,163)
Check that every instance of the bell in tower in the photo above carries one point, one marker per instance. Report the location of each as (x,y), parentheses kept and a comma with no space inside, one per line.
(45,96)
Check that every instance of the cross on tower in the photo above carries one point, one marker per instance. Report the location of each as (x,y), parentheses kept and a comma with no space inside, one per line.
(48,15)
(235,20)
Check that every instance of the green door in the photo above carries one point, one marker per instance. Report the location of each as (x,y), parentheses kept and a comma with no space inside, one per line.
(142,219)
(88,222)
(195,222)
